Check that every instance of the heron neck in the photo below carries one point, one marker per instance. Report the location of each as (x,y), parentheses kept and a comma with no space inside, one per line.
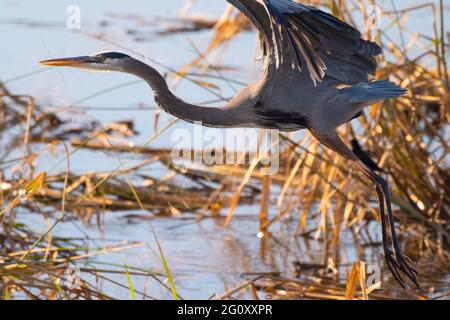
(212,117)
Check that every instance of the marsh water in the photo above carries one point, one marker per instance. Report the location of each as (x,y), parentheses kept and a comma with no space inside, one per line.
(205,258)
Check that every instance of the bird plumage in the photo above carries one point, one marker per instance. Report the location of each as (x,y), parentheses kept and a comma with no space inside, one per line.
(309,56)
(372,92)
(302,38)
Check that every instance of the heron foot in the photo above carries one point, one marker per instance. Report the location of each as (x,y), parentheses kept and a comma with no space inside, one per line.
(400,264)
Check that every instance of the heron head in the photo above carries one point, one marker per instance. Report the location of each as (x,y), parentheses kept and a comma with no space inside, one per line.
(104,61)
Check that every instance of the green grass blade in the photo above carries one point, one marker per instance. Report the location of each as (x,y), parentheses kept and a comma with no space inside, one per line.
(130,284)
(166,267)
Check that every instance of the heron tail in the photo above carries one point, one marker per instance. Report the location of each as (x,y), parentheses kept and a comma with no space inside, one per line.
(375,91)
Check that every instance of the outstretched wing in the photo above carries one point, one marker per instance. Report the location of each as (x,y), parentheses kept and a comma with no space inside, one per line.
(306,39)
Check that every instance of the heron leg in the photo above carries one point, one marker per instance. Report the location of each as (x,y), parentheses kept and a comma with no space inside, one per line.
(396,262)
(401,259)
(388,254)
(402,262)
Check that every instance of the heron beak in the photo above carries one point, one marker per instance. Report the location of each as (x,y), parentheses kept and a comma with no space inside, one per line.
(67,62)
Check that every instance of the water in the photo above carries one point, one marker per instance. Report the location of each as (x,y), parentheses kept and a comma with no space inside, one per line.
(204,257)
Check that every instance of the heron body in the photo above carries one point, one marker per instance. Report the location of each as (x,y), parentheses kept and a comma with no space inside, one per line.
(315,76)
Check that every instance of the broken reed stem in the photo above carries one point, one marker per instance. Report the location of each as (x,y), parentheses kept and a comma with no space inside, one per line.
(357,276)
(265,199)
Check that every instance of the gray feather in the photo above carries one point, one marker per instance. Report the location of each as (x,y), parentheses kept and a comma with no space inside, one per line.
(374,91)
(311,41)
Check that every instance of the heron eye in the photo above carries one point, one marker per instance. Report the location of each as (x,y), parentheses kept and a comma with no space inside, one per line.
(101,59)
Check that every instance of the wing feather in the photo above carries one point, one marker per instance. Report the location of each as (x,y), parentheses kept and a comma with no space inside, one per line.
(305,39)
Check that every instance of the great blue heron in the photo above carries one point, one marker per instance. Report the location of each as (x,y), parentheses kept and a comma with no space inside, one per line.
(315,76)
